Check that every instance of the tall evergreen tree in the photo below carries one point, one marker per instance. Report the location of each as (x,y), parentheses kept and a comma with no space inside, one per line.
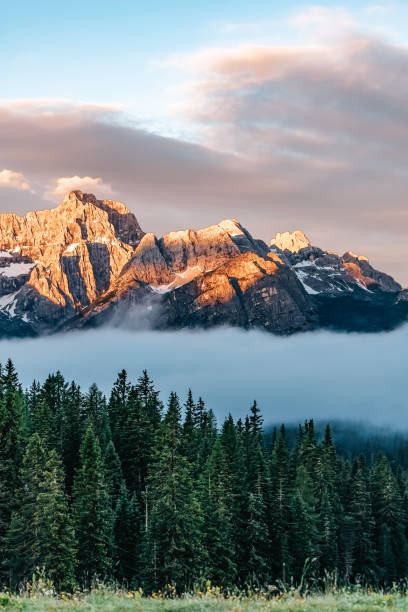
(128,534)
(118,407)
(216,502)
(237,475)
(72,430)
(11,438)
(280,505)
(173,550)
(389,534)
(360,510)
(22,543)
(113,474)
(57,543)
(93,517)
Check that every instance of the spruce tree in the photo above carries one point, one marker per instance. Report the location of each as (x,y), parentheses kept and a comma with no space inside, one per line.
(360,510)
(72,430)
(173,551)
(128,534)
(57,543)
(113,474)
(301,538)
(389,534)
(118,407)
(93,517)
(23,540)
(11,438)
(96,410)
(216,502)
(236,469)
(280,505)
(191,436)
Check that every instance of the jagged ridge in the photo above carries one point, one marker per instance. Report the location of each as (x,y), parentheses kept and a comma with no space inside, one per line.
(87,261)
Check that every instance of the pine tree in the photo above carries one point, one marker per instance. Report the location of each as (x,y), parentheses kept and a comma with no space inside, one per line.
(72,429)
(113,474)
(22,543)
(118,407)
(280,505)
(258,489)
(236,468)
(360,510)
(11,438)
(302,538)
(92,512)
(257,567)
(173,550)
(57,544)
(191,437)
(329,554)
(128,534)
(53,393)
(136,444)
(216,501)
(389,534)
(96,410)
(42,422)
(150,399)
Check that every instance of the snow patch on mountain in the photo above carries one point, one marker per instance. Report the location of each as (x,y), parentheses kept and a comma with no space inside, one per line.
(17,269)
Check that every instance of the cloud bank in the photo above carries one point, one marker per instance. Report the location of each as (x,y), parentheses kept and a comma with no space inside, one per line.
(322,375)
(13,180)
(311,135)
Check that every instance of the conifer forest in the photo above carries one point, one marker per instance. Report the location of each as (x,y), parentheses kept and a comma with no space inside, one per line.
(153,495)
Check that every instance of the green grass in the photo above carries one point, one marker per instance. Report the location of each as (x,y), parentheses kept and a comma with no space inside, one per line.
(108,601)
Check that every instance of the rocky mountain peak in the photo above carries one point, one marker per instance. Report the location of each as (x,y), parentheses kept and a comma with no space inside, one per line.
(359,268)
(350,256)
(87,260)
(59,260)
(290,241)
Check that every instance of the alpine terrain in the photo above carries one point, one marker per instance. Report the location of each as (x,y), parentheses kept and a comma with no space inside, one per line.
(87,262)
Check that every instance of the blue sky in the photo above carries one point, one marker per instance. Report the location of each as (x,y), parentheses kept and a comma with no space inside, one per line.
(284,115)
(107,52)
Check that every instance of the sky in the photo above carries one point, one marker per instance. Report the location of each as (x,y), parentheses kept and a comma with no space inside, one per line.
(285,115)
(320,375)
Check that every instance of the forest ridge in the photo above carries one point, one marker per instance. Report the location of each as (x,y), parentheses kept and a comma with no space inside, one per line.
(148,495)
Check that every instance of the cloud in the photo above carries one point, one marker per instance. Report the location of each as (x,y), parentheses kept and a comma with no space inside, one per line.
(289,138)
(14,180)
(328,121)
(323,20)
(88,184)
(345,376)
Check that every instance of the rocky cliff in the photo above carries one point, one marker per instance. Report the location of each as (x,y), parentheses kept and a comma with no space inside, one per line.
(87,262)
(55,262)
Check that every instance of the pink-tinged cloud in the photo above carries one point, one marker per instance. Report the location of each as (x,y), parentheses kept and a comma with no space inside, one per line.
(303,137)
(14,180)
(87,184)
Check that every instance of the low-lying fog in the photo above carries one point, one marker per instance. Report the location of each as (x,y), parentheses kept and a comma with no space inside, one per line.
(321,375)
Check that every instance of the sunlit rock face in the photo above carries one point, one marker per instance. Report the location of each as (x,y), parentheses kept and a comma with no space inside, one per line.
(55,262)
(360,269)
(290,241)
(247,291)
(175,259)
(87,262)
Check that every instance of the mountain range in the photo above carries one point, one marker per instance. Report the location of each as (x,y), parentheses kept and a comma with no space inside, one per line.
(87,262)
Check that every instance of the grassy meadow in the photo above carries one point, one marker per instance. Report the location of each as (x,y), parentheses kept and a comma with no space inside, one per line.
(212,601)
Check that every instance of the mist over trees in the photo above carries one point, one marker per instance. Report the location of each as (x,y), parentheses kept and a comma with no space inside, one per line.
(147,494)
